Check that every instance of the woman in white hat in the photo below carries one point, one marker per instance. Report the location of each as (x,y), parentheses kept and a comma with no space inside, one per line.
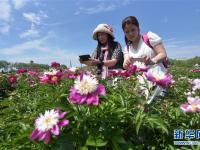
(108,54)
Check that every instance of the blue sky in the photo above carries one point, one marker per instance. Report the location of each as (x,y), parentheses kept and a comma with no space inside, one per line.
(60,30)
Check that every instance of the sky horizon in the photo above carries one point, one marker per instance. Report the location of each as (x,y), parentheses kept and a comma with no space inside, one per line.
(60,30)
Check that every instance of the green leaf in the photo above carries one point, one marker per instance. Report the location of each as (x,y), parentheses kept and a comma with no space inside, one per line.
(155,120)
(171,147)
(84,148)
(115,145)
(139,118)
(119,139)
(96,141)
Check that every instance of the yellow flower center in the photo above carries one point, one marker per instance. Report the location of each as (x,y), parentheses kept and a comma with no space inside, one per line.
(194,107)
(54,78)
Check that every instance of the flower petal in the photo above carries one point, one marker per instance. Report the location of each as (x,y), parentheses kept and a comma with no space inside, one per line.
(63,123)
(93,99)
(150,77)
(184,107)
(55,130)
(62,115)
(101,89)
(74,96)
(47,137)
(82,99)
(35,134)
(41,136)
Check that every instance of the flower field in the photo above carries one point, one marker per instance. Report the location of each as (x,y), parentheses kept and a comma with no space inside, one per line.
(71,109)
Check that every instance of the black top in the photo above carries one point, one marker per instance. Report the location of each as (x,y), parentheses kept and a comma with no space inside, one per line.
(115,53)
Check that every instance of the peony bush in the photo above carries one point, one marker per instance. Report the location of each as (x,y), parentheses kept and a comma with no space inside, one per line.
(72,109)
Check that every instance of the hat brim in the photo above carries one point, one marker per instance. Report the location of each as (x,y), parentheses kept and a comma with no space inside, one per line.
(104,31)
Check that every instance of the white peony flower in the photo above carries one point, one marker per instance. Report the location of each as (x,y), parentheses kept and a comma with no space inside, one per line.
(47,121)
(157,72)
(196,83)
(86,85)
(140,64)
(51,72)
(73,69)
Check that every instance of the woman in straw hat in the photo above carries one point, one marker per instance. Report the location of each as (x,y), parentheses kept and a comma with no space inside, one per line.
(108,53)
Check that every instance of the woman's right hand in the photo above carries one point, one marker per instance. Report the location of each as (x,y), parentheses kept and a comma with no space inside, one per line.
(127,61)
(90,62)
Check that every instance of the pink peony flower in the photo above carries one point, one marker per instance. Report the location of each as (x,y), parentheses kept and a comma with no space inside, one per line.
(55,65)
(124,73)
(21,70)
(159,77)
(86,90)
(51,77)
(196,70)
(132,69)
(193,105)
(196,83)
(33,74)
(71,73)
(48,124)
(12,79)
(141,67)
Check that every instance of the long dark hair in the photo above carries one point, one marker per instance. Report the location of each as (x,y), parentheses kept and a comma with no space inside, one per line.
(129,20)
(111,46)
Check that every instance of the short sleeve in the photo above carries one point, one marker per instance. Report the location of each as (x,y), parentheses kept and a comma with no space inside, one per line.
(117,52)
(125,51)
(154,39)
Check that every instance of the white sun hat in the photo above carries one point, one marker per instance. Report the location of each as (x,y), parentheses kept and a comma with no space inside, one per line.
(103,28)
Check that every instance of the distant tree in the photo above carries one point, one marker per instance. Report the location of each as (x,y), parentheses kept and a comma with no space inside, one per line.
(4,64)
(31,62)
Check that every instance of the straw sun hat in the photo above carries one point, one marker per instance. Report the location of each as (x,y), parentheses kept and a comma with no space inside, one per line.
(103,28)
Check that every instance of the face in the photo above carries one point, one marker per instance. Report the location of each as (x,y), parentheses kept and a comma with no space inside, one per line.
(102,37)
(131,32)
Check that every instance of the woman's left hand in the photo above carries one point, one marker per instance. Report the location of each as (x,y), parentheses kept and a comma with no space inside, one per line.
(148,61)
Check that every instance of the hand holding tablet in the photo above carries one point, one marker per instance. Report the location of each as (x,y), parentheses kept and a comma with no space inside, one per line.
(84,57)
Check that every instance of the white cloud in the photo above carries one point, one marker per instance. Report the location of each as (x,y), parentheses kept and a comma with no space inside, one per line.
(37,45)
(96,9)
(19,3)
(30,33)
(101,6)
(4,29)
(5,10)
(182,48)
(62,56)
(43,56)
(183,52)
(122,2)
(35,18)
(18,49)
(40,52)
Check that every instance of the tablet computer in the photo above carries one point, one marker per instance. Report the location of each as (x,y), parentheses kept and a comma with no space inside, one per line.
(84,57)
(138,59)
